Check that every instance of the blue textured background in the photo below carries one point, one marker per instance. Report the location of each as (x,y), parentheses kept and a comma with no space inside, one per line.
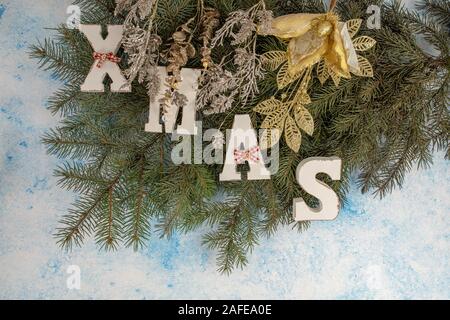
(395,248)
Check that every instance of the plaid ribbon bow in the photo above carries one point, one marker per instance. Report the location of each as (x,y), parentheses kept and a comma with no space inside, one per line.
(103,57)
(246,155)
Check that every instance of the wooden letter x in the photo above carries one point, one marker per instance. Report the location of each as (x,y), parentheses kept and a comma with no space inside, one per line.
(108,46)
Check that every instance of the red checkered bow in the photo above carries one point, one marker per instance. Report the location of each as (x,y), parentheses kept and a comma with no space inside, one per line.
(246,155)
(103,57)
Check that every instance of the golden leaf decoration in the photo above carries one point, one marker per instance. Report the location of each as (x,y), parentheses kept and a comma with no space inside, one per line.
(304,119)
(353,26)
(269,138)
(322,71)
(363,43)
(301,98)
(365,66)
(273,59)
(292,134)
(336,78)
(284,78)
(291,117)
(275,119)
(268,106)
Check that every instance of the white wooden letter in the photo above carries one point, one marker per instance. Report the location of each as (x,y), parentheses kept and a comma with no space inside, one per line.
(307,171)
(243,135)
(188,87)
(94,80)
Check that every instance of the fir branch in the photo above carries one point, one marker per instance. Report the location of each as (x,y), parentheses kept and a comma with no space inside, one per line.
(97,11)
(183,188)
(81,220)
(63,145)
(172,14)
(79,178)
(109,228)
(65,100)
(140,230)
(231,252)
(54,56)
(438,9)
(238,228)
(274,213)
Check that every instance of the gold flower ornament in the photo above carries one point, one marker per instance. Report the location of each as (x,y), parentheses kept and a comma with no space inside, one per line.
(314,39)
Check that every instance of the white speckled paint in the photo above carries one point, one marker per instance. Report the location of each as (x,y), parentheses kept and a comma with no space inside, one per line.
(395,248)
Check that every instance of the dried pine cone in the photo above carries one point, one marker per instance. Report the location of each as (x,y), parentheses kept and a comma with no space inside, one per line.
(210,21)
(177,56)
